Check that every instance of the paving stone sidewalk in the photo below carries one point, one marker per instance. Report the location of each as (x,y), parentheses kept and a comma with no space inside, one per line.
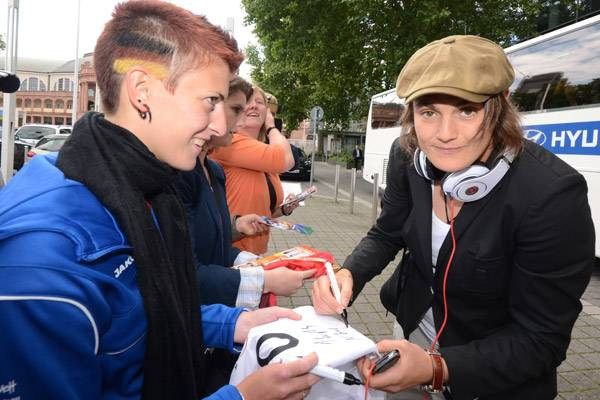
(338,231)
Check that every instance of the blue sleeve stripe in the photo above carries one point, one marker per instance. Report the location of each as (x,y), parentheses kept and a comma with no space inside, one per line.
(80,306)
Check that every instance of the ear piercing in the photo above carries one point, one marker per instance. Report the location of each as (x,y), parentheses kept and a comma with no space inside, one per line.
(144,114)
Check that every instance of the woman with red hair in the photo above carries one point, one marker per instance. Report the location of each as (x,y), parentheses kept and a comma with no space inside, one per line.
(98,298)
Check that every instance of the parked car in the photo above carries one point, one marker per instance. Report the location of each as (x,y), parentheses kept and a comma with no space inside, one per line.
(19,155)
(47,144)
(300,171)
(30,134)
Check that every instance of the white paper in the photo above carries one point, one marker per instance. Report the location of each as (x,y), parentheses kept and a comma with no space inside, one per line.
(285,340)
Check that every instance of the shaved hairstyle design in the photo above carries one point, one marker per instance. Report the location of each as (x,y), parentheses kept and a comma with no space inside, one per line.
(166,40)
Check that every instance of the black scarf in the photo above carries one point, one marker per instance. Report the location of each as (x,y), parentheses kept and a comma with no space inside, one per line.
(126,177)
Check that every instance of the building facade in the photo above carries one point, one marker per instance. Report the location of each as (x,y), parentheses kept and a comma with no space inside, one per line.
(46,92)
(328,141)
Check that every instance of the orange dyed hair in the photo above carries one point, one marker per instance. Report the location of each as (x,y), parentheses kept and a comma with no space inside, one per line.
(158,33)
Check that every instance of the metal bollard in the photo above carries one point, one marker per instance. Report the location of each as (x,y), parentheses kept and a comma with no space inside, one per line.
(352,189)
(375,197)
(337,182)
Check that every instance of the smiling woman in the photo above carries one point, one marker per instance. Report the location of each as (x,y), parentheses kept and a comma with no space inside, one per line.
(450,131)
(252,168)
(483,219)
(114,252)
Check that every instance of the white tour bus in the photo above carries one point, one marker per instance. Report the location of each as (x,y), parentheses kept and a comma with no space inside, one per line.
(557,88)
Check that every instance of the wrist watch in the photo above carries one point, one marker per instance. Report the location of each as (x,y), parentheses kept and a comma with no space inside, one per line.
(437,382)
(284,213)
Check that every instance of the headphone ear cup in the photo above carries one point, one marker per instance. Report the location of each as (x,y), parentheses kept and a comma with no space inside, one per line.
(416,162)
(422,164)
(468,184)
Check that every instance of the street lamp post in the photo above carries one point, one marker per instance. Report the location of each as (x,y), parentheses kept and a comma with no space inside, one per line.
(316,115)
(76,70)
(12,29)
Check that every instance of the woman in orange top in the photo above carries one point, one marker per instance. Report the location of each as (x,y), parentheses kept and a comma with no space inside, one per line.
(252,169)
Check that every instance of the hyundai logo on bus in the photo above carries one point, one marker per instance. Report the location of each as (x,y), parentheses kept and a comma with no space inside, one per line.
(535,136)
(569,138)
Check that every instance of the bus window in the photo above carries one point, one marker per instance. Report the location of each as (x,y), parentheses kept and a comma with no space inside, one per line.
(561,72)
(386,111)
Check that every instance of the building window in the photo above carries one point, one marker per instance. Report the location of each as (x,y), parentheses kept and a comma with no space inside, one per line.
(59,105)
(37,103)
(68,121)
(48,120)
(64,85)
(47,103)
(37,119)
(33,84)
(69,104)
(19,103)
(27,103)
(59,121)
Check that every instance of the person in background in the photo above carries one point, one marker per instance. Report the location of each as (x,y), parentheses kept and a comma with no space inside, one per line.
(98,298)
(357,157)
(202,191)
(252,169)
(497,236)
(273,106)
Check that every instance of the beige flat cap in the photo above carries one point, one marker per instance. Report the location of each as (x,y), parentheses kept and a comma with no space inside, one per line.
(465,66)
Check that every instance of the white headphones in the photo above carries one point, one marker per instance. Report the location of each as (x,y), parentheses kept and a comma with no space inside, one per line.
(469,184)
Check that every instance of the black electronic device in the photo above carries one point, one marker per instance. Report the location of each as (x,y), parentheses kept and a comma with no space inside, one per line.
(386,361)
(9,82)
(279,124)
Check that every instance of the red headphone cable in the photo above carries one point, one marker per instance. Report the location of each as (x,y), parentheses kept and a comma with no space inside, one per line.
(446,276)
(425,395)
(367,381)
(437,336)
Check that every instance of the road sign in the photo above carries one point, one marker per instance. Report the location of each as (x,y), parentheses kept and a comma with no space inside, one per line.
(316,113)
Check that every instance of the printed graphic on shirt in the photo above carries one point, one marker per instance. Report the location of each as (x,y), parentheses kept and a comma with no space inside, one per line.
(121,268)
(10,389)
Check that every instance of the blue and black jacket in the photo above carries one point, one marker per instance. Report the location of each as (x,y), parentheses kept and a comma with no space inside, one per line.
(72,322)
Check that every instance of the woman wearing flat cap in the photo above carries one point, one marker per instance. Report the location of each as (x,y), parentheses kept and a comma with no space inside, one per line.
(496,231)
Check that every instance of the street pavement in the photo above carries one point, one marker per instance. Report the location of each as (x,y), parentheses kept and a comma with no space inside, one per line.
(338,231)
(325,179)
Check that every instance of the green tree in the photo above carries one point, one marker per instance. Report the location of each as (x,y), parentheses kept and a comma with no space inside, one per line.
(337,54)
(2,44)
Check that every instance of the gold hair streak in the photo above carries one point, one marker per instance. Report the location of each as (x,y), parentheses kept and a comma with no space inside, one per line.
(122,65)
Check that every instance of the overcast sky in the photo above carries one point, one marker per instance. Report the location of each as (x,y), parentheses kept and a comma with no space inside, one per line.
(47,28)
